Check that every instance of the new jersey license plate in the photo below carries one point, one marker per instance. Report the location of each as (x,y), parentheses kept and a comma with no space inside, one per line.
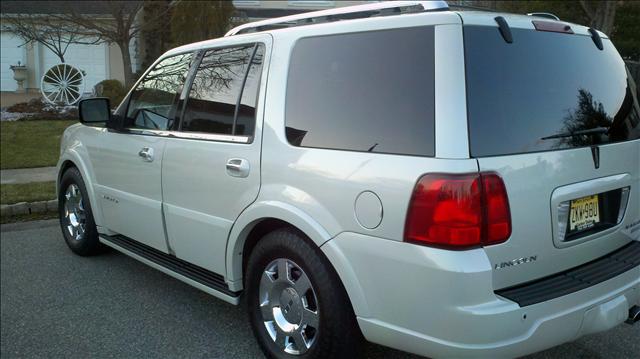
(584,213)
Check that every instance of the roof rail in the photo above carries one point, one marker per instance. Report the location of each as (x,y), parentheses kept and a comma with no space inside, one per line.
(546,15)
(471,7)
(341,13)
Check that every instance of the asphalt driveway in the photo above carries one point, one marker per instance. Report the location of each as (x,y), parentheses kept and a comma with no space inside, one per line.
(56,304)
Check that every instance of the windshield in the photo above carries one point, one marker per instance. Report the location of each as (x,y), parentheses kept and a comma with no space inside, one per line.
(543,84)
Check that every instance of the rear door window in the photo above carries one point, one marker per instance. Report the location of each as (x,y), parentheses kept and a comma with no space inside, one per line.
(222,98)
(369,92)
(544,84)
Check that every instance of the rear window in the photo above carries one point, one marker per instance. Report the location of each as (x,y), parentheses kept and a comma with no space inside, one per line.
(544,84)
(370,92)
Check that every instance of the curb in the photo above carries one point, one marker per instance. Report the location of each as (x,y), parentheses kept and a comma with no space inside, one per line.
(22,208)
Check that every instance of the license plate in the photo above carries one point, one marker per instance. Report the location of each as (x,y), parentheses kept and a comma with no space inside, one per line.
(584,213)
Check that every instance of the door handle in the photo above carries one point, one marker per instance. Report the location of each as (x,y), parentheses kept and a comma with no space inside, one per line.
(238,167)
(146,153)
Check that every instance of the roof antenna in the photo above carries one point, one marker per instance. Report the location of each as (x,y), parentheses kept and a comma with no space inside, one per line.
(596,38)
(505,31)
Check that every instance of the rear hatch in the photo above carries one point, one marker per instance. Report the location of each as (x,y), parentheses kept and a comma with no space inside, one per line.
(573,198)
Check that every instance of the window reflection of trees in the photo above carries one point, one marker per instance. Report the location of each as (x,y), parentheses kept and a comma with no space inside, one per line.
(250,90)
(590,114)
(161,87)
(218,70)
(245,122)
(218,83)
(168,75)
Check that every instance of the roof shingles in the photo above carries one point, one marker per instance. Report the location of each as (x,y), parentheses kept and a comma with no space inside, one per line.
(57,7)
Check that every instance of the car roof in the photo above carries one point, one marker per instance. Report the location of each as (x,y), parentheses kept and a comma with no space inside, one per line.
(388,9)
(485,18)
(377,9)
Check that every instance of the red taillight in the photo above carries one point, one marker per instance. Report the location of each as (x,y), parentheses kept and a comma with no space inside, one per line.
(458,211)
(497,214)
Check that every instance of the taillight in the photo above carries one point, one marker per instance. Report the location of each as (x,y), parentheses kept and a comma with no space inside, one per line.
(458,211)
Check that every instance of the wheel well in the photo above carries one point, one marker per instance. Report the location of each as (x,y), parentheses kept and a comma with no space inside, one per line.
(65,166)
(268,225)
(258,231)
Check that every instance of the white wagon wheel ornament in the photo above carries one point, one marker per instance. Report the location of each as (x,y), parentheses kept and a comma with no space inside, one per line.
(62,84)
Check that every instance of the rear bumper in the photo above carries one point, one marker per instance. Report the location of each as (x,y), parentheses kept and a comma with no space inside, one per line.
(441,303)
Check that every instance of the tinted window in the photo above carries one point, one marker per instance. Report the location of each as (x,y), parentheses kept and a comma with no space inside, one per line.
(153,102)
(245,122)
(371,91)
(542,84)
(218,83)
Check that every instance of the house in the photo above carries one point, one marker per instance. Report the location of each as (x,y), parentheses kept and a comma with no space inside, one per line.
(102,61)
(98,62)
(253,10)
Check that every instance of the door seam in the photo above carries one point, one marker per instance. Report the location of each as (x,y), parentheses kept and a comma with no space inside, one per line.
(164,220)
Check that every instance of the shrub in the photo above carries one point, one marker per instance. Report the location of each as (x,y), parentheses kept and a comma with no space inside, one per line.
(37,109)
(33,106)
(112,89)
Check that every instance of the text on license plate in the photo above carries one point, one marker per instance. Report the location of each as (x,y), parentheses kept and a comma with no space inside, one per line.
(584,213)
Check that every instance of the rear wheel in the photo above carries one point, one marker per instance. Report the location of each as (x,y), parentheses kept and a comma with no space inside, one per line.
(296,303)
(76,219)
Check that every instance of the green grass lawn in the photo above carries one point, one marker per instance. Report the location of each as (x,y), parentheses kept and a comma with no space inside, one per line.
(27,192)
(27,144)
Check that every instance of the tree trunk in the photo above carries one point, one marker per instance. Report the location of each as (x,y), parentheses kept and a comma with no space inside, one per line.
(601,14)
(608,17)
(126,62)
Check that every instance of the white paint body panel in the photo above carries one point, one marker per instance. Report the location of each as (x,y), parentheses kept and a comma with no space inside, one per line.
(444,305)
(405,296)
(127,187)
(201,199)
(528,199)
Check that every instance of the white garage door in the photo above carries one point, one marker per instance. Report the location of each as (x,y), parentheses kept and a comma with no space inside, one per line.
(10,54)
(90,58)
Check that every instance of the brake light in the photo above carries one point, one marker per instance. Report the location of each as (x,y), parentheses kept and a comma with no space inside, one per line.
(458,211)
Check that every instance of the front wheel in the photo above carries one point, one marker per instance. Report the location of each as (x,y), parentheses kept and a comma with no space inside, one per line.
(296,302)
(76,219)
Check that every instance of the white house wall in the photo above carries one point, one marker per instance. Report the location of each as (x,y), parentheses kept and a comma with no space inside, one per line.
(10,54)
(90,58)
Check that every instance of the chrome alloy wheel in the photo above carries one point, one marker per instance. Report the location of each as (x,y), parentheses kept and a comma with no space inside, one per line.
(74,214)
(289,306)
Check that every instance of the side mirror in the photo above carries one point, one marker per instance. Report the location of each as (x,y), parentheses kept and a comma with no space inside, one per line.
(94,110)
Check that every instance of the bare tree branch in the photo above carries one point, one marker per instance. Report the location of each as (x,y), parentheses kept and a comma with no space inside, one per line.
(119,27)
(54,35)
(601,14)
(585,7)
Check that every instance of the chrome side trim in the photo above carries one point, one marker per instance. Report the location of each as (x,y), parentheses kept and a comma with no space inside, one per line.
(191,135)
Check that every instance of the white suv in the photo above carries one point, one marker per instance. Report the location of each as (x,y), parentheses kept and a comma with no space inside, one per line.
(445,183)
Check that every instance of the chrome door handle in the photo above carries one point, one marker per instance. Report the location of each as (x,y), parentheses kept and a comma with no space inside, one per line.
(238,167)
(146,153)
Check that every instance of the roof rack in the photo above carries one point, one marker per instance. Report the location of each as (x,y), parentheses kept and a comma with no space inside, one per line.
(546,15)
(471,7)
(342,13)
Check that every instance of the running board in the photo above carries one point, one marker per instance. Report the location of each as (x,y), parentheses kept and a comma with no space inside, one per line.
(191,274)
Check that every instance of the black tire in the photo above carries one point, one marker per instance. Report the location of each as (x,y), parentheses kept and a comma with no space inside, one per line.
(338,335)
(88,244)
